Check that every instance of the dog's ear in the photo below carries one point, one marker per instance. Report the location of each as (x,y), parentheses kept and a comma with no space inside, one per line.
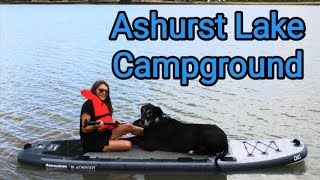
(158,111)
(142,110)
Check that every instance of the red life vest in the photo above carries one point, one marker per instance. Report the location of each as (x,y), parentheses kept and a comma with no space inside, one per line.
(100,108)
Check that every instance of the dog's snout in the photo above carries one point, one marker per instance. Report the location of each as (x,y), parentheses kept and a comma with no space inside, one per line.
(149,113)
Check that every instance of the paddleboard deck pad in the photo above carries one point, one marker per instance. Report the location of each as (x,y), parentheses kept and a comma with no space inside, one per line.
(252,154)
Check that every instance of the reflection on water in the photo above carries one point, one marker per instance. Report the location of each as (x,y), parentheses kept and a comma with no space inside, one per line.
(32,172)
(49,53)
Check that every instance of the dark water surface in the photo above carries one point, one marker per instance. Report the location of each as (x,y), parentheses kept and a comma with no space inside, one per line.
(48,53)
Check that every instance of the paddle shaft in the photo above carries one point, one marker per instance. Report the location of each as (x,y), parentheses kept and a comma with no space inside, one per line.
(92,123)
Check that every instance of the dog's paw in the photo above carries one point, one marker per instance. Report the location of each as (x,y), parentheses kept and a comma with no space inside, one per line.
(138,123)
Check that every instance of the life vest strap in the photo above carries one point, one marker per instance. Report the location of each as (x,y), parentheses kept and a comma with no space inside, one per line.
(103,115)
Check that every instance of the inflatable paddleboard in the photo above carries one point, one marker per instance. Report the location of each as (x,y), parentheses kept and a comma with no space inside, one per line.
(252,154)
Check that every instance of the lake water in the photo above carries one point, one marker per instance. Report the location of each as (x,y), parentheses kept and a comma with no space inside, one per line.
(48,53)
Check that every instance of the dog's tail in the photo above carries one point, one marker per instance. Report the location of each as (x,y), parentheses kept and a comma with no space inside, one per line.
(221,156)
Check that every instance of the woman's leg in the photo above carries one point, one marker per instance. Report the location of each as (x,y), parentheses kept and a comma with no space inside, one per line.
(125,129)
(138,131)
(122,145)
(118,145)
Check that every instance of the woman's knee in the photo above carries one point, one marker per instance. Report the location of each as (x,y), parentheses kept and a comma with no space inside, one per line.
(127,145)
(118,145)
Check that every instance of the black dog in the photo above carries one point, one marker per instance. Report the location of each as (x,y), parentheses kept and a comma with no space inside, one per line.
(164,133)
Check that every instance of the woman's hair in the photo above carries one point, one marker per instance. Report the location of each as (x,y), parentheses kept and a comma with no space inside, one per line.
(107,100)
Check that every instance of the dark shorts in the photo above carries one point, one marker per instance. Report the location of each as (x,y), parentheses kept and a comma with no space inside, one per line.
(97,143)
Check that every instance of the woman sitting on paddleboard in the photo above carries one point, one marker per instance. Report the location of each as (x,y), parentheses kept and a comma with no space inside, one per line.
(98,108)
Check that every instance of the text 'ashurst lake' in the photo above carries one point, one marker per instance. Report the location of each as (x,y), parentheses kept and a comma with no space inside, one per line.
(210,68)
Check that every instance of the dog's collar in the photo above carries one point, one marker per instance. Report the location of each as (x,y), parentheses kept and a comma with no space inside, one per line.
(157,120)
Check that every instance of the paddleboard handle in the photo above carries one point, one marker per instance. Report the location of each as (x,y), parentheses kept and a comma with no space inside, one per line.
(296,142)
(92,123)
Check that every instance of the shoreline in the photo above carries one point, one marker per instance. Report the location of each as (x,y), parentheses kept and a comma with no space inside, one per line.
(157,2)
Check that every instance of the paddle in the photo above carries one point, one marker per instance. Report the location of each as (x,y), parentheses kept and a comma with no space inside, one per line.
(91,123)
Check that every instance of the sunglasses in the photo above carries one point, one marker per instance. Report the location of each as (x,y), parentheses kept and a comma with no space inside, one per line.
(103,90)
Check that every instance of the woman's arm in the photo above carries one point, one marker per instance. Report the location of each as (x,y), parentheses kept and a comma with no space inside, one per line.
(86,116)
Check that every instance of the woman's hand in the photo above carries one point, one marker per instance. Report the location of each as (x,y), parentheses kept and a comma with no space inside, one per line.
(87,129)
(100,123)
(118,122)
